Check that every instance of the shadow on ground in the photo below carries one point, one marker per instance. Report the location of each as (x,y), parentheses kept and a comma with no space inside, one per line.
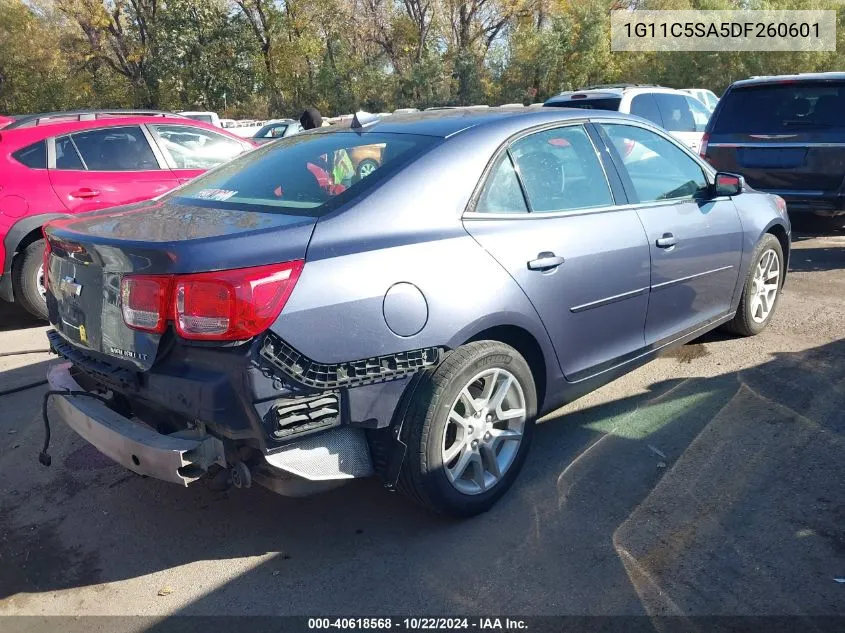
(817,259)
(13,317)
(704,495)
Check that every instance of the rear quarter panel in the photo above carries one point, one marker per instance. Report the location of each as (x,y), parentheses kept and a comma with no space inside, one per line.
(408,230)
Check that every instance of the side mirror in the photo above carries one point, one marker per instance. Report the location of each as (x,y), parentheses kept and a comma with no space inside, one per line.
(728,184)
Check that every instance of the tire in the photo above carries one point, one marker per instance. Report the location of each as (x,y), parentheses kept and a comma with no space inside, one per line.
(25,273)
(429,424)
(745,322)
(366,167)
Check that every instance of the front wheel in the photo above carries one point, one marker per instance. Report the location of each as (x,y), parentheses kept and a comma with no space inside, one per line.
(762,288)
(28,280)
(468,429)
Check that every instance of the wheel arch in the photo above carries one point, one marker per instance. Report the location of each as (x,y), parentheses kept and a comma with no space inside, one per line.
(20,235)
(779,231)
(527,345)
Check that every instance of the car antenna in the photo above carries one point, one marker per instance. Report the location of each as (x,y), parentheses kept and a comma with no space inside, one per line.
(363,119)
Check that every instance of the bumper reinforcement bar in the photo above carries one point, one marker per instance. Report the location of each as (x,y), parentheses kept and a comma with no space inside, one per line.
(179,458)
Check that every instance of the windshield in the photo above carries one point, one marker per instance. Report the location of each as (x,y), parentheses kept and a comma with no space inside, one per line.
(782,108)
(309,174)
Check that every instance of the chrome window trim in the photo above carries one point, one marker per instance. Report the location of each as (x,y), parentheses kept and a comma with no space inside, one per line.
(471,213)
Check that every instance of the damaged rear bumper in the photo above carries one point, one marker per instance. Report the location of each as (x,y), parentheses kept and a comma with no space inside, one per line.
(178,458)
(308,465)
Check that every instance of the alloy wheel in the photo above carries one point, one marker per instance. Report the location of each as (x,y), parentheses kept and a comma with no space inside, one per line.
(39,282)
(483,431)
(765,285)
(366,169)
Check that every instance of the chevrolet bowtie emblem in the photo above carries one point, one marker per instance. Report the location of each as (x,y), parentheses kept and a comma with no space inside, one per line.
(69,286)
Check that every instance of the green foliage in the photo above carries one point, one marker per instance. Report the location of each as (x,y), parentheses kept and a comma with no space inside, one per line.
(261,58)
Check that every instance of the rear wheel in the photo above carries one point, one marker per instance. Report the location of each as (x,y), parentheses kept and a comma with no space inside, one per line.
(468,429)
(762,288)
(28,280)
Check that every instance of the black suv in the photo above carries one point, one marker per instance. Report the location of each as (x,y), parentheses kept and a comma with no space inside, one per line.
(786,135)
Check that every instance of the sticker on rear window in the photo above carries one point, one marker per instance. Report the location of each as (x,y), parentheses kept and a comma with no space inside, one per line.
(215,194)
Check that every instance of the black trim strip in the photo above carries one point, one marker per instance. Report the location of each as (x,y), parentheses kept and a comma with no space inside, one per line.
(672,282)
(608,300)
(324,376)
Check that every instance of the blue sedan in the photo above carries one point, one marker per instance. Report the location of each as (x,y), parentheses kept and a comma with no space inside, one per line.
(291,320)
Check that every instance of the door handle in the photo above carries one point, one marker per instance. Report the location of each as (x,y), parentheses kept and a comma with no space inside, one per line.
(667,241)
(85,192)
(545,261)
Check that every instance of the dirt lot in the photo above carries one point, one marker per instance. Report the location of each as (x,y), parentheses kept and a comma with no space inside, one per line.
(708,482)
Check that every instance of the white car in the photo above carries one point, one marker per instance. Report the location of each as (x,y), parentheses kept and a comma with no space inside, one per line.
(707,97)
(679,113)
(205,117)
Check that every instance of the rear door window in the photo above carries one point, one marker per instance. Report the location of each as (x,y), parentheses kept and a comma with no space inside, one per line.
(675,112)
(659,169)
(195,148)
(33,156)
(645,106)
(782,109)
(115,149)
(502,192)
(66,155)
(561,171)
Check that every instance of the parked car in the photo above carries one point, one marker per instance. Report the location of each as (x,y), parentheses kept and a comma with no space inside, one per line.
(56,164)
(786,135)
(674,110)
(277,128)
(206,117)
(5,120)
(272,329)
(707,97)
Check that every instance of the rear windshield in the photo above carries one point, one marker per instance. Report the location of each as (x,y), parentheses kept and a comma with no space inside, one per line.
(608,103)
(782,108)
(308,174)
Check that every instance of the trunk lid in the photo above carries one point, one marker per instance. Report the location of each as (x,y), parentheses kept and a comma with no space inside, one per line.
(783,137)
(90,254)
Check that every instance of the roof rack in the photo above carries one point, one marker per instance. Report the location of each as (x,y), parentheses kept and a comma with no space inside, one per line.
(31,120)
(601,86)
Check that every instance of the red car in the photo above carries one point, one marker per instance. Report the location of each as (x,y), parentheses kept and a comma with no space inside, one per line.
(57,164)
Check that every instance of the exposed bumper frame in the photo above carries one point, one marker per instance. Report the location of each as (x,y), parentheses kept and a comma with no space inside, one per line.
(179,458)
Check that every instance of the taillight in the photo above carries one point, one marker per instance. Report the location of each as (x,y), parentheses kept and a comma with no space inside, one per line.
(232,305)
(45,262)
(781,205)
(226,305)
(145,301)
(703,150)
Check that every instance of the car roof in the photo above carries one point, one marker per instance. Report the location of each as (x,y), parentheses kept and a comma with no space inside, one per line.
(772,79)
(446,123)
(48,129)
